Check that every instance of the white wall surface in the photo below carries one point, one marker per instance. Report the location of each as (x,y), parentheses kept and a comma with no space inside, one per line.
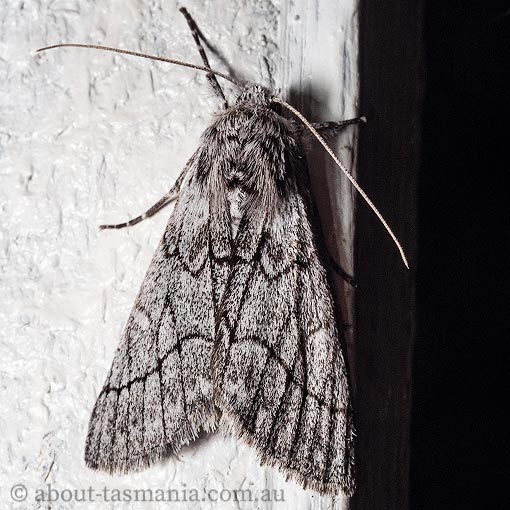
(89,138)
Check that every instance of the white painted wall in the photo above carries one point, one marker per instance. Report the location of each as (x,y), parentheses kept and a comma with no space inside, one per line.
(87,138)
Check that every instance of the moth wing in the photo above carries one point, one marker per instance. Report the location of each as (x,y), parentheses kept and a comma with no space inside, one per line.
(158,393)
(280,374)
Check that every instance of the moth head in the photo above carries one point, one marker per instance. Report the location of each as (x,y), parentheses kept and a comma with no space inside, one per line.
(255,95)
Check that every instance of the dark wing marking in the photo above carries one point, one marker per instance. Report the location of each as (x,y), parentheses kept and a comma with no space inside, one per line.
(279,372)
(158,394)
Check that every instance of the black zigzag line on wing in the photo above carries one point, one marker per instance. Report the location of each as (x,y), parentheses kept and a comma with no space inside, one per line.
(257,266)
(104,416)
(289,370)
(118,389)
(155,340)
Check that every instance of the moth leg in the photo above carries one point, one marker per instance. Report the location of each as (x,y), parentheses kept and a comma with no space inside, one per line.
(341,272)
(195,32)
(168,197)
(162,202)
(330,129)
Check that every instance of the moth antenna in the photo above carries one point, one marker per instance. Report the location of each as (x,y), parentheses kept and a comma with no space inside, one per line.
(143,55)
(196,34)
(342,167)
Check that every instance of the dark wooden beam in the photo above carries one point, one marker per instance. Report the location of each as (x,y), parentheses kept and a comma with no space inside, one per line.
(388,162)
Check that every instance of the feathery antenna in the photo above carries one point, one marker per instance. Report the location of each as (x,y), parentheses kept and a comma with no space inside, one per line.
(301,117)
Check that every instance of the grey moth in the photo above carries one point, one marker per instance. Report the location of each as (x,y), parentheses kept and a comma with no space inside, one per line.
(234,326)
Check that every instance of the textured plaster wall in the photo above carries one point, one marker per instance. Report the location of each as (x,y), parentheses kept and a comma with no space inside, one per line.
(88,137)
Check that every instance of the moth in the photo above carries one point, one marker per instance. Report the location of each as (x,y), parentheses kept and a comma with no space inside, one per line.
(234,325)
